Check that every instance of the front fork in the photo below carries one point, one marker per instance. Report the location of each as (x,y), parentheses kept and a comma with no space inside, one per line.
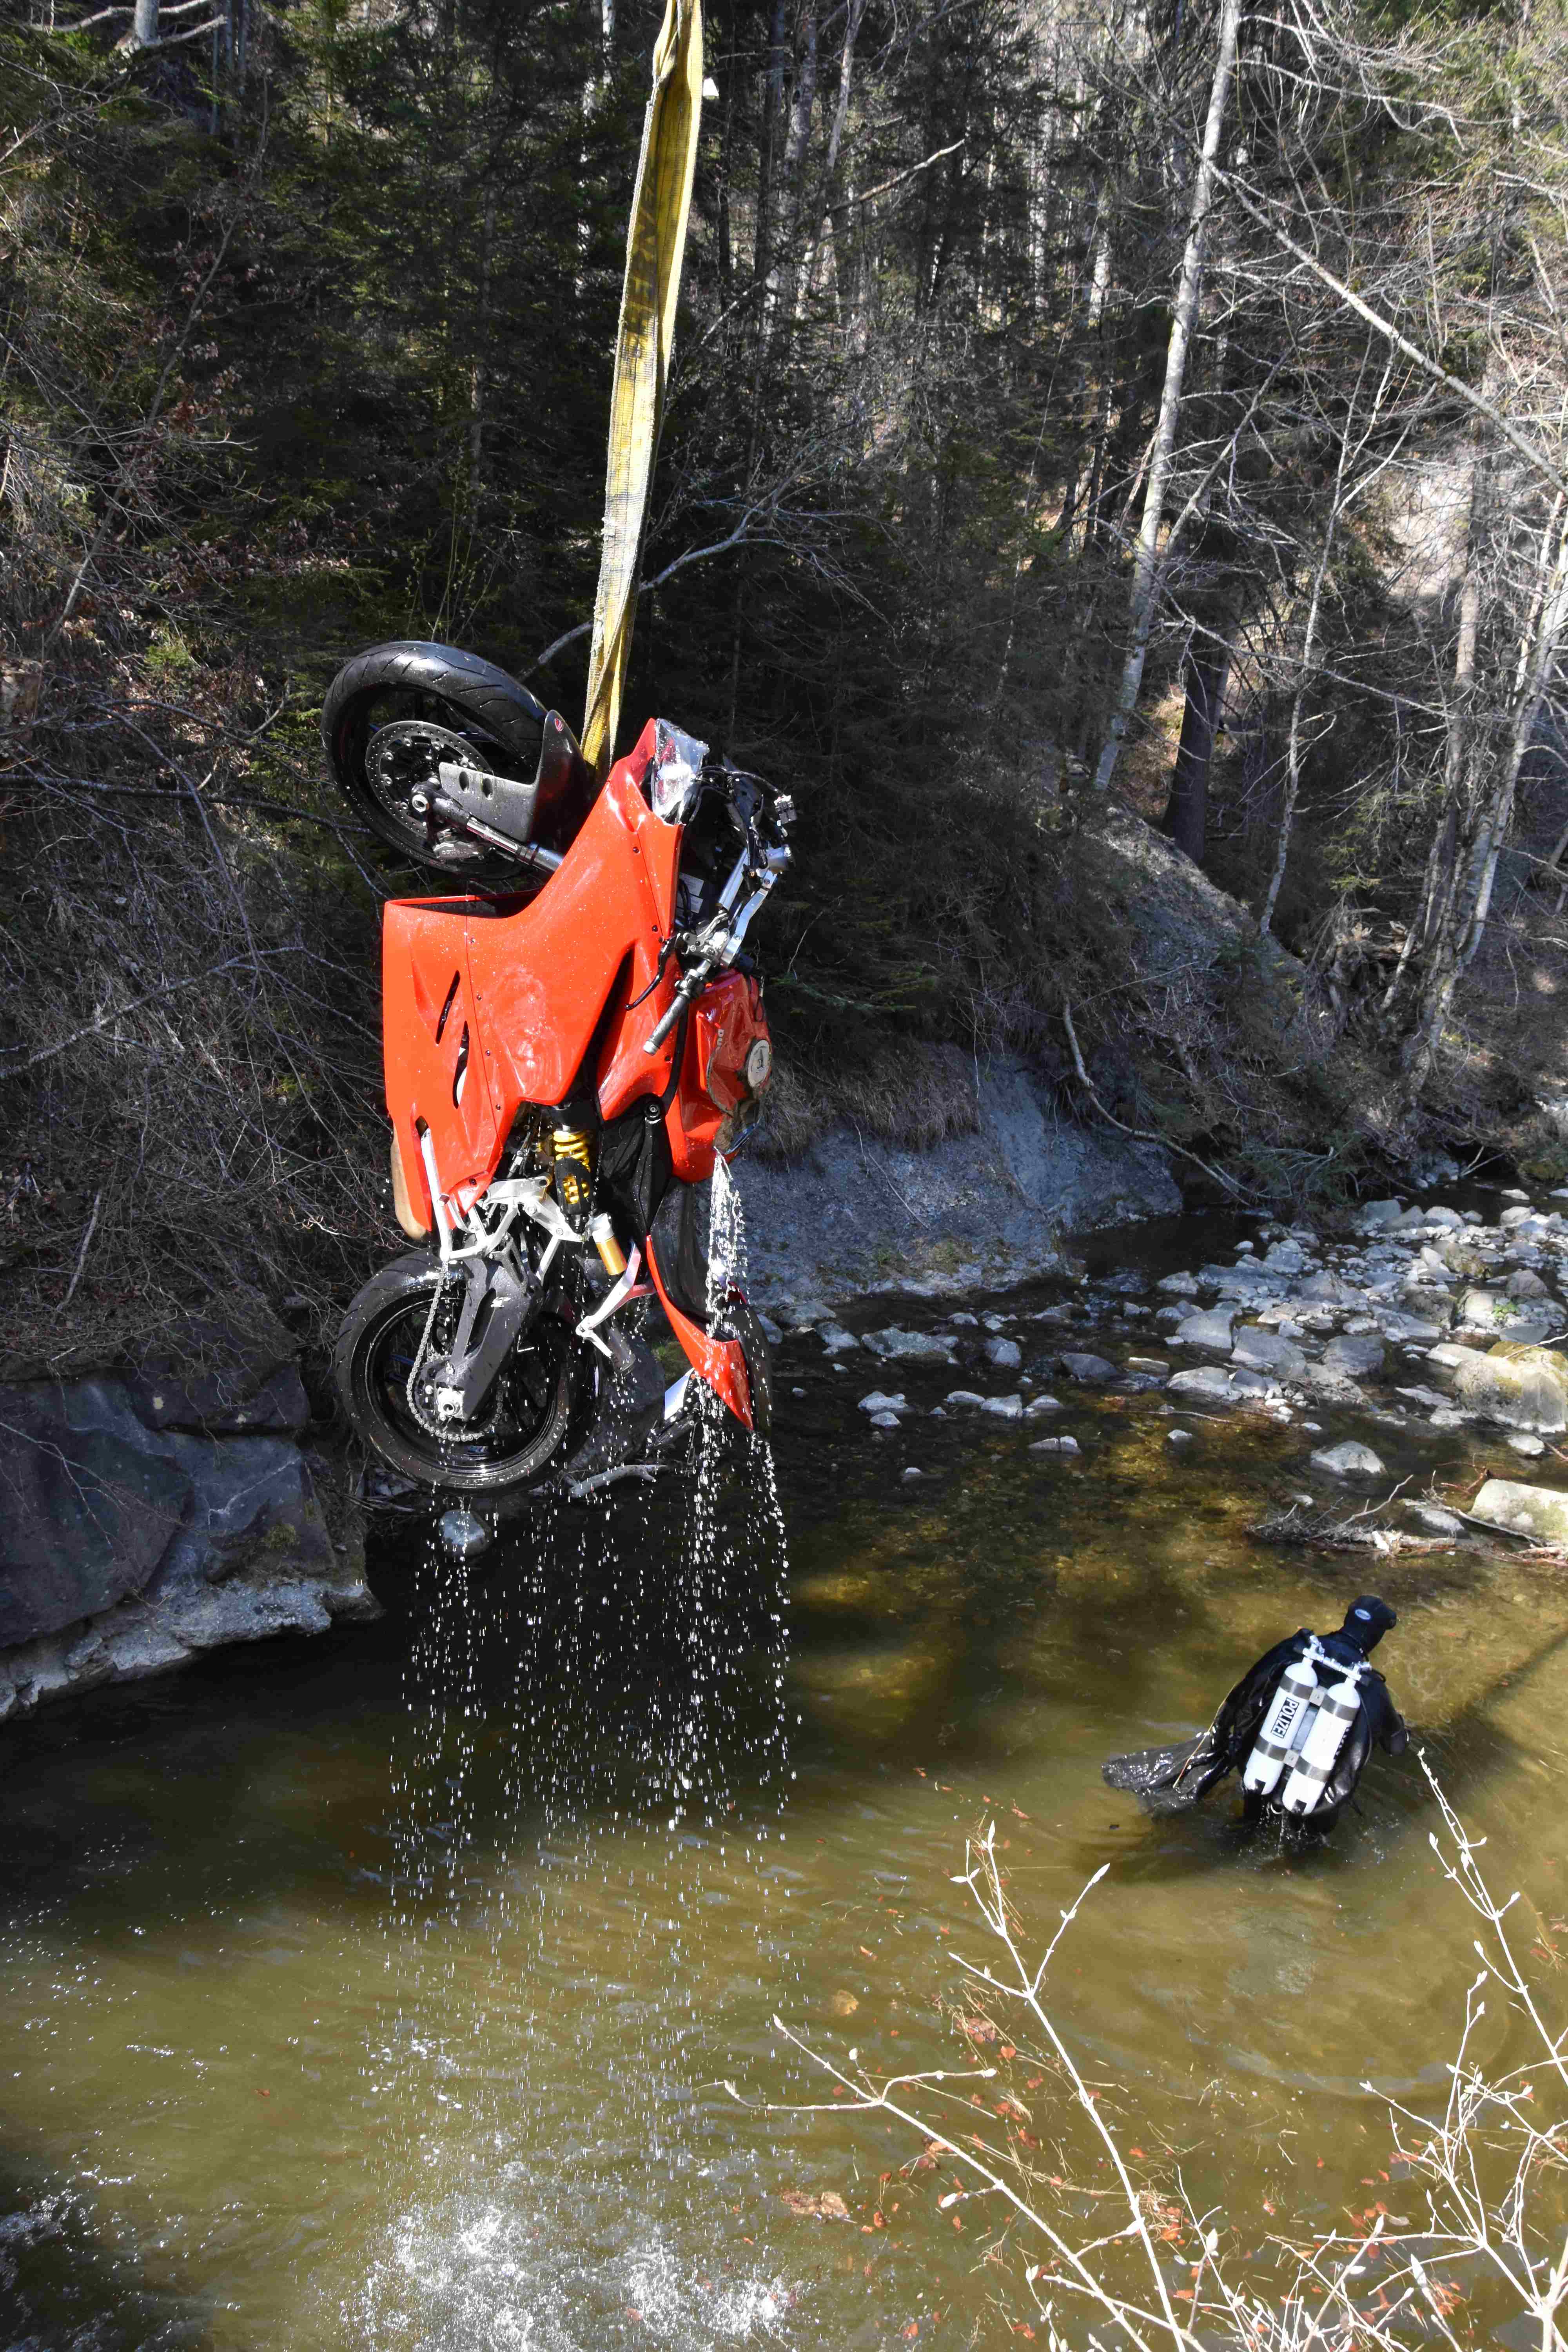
(732,1360)
(724,1361)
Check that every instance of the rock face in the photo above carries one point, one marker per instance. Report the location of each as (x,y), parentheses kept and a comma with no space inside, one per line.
(1538,1511)
(134,1534)
(853,1211)
(1513,1384)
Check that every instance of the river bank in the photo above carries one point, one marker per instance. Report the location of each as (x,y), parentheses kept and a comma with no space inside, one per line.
(162,1512)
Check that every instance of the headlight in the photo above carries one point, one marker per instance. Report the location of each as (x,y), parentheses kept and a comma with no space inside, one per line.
(673,779)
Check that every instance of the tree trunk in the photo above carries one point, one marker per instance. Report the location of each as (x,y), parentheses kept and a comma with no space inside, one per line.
(481,352)
(1205,669)
(1141,602)
(824,231)
(1480,841)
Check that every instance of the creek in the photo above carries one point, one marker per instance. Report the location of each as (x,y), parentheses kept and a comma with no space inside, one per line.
(381,1990)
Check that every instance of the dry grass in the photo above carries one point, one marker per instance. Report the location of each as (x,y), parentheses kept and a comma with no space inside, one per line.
(909,1093)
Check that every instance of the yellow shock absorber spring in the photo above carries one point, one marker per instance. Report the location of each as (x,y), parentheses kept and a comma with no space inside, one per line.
(574,1172)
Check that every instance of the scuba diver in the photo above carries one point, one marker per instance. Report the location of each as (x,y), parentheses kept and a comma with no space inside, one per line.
(1299,1726)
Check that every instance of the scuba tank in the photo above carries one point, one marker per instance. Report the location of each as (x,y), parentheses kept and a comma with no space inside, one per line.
(1318,1752)
(1285,1725)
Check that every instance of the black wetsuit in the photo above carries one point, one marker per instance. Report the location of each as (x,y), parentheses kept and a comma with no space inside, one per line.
(1183,1774)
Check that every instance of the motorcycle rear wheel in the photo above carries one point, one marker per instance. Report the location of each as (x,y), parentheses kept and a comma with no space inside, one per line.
(525,1420)
(454,694)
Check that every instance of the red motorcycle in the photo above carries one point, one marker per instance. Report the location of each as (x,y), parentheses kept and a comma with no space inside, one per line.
(569,1034)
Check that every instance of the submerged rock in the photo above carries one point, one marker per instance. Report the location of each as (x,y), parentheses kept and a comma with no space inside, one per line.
(1348,1460)
(1055,1445)
(878,1403)
(1356,1356)
(1007,1408)
(1004,1354)
(1093,1370)
(836,1339)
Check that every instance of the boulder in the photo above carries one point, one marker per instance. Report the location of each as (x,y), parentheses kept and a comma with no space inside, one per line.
(1348,1460)
(1266,1352)
(1328,1290)
(1223,1384)
(970,1397)
(1540,1512)
(1055,1445)
(1178,1286)
(89,1512)
(1037,1407)
(1209,1328)
(878,1401)
(1093,1370)
(1450,1218)
(1356,1357)
(1492,1311)
(909,1347)
(1435,1520)
(1328,1385)
(1004,1354)
(1006,1408)
(1513,1384)
(836,1339)
(1379,1214)
(219,1377)
(1523,1284)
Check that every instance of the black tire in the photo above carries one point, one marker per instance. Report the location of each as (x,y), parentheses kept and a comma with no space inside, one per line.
(500,720)
(528,1414)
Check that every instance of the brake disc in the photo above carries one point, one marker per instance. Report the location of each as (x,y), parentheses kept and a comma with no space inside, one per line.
(402,759)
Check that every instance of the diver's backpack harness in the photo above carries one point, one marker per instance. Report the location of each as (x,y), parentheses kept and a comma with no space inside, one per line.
(1300,1738)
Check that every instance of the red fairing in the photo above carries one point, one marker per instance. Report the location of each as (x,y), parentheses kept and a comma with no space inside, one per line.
(489,1006)
(720,1362)
(524,992)
(727,1021)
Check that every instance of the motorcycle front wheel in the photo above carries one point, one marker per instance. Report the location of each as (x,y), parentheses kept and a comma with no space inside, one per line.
(522,1425)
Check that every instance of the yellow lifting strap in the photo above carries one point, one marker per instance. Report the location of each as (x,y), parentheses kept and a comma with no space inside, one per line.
(655,245)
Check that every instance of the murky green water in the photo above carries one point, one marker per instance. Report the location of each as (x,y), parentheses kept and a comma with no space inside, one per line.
(380,1990)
